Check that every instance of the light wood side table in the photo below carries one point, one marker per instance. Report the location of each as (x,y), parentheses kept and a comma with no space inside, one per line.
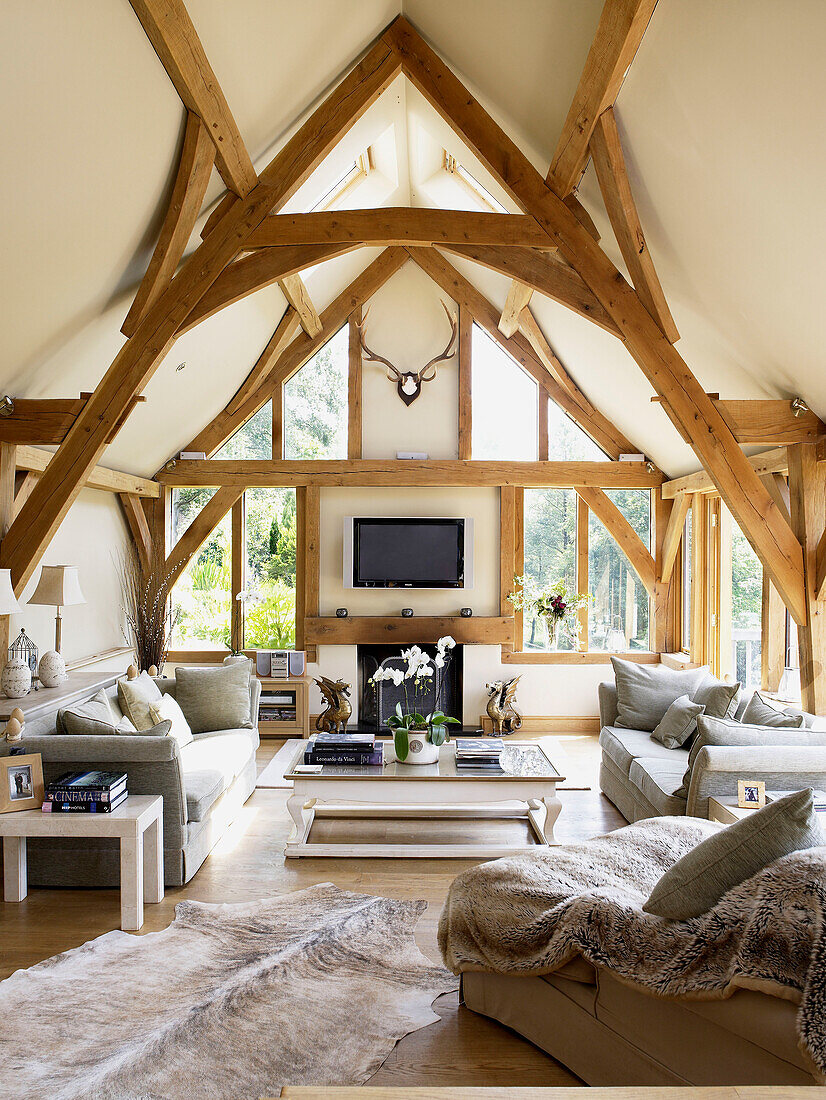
(726,810)
(137,823)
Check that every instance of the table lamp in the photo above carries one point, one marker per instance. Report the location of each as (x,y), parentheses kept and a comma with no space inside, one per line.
(59,587)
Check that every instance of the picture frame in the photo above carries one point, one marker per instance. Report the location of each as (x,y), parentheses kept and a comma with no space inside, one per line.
(751,794)
(21,782)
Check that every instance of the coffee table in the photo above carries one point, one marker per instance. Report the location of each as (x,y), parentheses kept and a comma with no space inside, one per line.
(528,777)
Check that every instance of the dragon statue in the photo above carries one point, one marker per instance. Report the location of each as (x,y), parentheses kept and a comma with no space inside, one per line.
(501,706)
(336,695)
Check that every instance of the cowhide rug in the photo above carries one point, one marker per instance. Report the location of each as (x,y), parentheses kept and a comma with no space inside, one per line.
(232,1001)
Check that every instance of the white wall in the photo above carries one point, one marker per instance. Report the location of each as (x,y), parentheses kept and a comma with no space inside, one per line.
(91,537)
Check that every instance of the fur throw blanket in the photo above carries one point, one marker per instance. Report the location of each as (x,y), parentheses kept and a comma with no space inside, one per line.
(529,915)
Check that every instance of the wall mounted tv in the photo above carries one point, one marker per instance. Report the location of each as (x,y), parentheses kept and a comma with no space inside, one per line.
(392,552)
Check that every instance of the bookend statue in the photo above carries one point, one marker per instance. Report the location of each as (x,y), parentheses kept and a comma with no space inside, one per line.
(501,706)
(336,696)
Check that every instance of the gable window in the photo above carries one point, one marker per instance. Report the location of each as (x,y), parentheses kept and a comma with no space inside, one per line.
(315,403)
(452,166)
(253,440)
(567,442)
(358,170)
(504,404)
(201,597)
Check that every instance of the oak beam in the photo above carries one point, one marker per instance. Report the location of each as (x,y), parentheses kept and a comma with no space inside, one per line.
(199,531)
(770,422)
(605,434)
(465,426)
(99,477)
(354,386)
(25,482)
(759,518)
(530,329)
(137,361)
(139,529)
(176,42)
(312,566)
(617,39)
(673,534)
(807,488)
(356,630)
(399,225)
(240,473)
(40,422)
(280,340)
(606,149)
(820,570)
(508,569)
(545,272)
(238,570)
(519,294)
(767,462)
(623,534)
(8,470)
(772,637)
(779,492)
(296,293)
(194,170)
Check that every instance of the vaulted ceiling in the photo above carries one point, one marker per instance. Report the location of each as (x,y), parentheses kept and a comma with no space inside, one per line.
(717,127)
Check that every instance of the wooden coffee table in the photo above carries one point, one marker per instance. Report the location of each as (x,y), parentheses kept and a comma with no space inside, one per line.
(528,777)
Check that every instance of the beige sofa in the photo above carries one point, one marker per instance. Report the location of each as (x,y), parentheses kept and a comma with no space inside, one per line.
(608,1033)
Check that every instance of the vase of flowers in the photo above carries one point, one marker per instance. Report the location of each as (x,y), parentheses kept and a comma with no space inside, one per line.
(418,737)
(555,607)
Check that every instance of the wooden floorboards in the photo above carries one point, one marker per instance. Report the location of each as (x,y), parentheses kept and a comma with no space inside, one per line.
(248,863)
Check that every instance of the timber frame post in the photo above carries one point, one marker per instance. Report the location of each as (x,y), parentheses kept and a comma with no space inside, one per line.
(807,490)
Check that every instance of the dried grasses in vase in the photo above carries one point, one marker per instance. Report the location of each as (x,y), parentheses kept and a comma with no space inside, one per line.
(150,618)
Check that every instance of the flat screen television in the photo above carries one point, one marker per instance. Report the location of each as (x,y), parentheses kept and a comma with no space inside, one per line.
(392,552)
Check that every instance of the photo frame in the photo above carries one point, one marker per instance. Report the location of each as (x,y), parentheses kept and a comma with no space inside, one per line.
(751,794)
(21,782)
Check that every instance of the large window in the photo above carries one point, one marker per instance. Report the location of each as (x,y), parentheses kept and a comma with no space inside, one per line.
(253,440)
(504,404)
(315,403)
(618,616)
(202,595)
(567,442)
(271,523)
(550,556)
(745,607)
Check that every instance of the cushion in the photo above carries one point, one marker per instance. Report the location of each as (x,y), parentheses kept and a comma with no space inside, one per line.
(760,713)
(168,709)
(224,754)
(135,696)
(720,731)
(658,779)
(678,723)
(719,698)
(94,716)
(622,747)
(720,862)
(215,698)
(810,721)
(645,692)
(203,789)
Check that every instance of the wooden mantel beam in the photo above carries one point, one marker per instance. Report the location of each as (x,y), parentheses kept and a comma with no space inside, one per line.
(399,225)
(617,39)
(137,361)
(747,498)
(176,42)
(285,472)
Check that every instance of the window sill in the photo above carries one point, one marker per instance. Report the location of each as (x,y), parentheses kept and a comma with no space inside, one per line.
(576,657)
(678,661)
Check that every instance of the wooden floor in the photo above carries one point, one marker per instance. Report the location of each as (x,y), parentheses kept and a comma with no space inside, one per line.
(464,1049)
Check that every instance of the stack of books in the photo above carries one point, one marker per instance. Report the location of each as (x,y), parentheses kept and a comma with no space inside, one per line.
(479,752)
(360,749)
(85,793)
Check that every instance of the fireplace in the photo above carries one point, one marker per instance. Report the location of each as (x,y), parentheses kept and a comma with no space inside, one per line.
(376,704)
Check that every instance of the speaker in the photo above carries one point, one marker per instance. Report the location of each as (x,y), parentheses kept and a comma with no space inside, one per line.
(289,662)
(298,663)
(263,662)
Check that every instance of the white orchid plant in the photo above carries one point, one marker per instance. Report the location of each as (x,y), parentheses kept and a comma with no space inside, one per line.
(421,667)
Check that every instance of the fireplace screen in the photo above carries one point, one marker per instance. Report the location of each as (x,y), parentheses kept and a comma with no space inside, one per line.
(378,702)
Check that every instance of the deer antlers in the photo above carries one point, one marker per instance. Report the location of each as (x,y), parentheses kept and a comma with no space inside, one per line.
(409,383)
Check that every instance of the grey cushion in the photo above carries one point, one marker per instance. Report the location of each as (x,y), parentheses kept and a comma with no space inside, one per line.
(720,731)
(658,780)
(697,881)
(810,721)
(215,698)
(645,692)
(203,789)
(623,747)
(760,713)
(719,698)
(678,723)
(92,717)
(134,697)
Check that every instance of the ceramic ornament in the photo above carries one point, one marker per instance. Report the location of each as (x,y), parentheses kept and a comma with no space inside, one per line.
(14,730)
(16,680)
(132,672)
(52,669)
(153,670)
(19,715)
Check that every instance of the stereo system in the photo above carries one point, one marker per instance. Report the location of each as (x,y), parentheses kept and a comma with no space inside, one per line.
(280,664)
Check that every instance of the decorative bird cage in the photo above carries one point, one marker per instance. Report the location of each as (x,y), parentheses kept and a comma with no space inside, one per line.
(24,648)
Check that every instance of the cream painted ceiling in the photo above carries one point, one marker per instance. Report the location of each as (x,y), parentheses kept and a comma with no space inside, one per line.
(719,114)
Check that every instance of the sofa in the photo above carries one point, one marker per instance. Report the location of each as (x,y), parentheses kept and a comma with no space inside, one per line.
(202,784)
(643,778)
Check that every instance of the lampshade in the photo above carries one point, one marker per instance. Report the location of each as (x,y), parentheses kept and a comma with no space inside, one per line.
(58,586)
(8,600)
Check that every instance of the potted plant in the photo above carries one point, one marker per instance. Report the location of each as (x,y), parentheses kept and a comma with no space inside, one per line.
(418,737)
(555,606)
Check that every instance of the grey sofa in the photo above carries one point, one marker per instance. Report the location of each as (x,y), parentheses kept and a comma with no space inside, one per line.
(640,776)
(202,785)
